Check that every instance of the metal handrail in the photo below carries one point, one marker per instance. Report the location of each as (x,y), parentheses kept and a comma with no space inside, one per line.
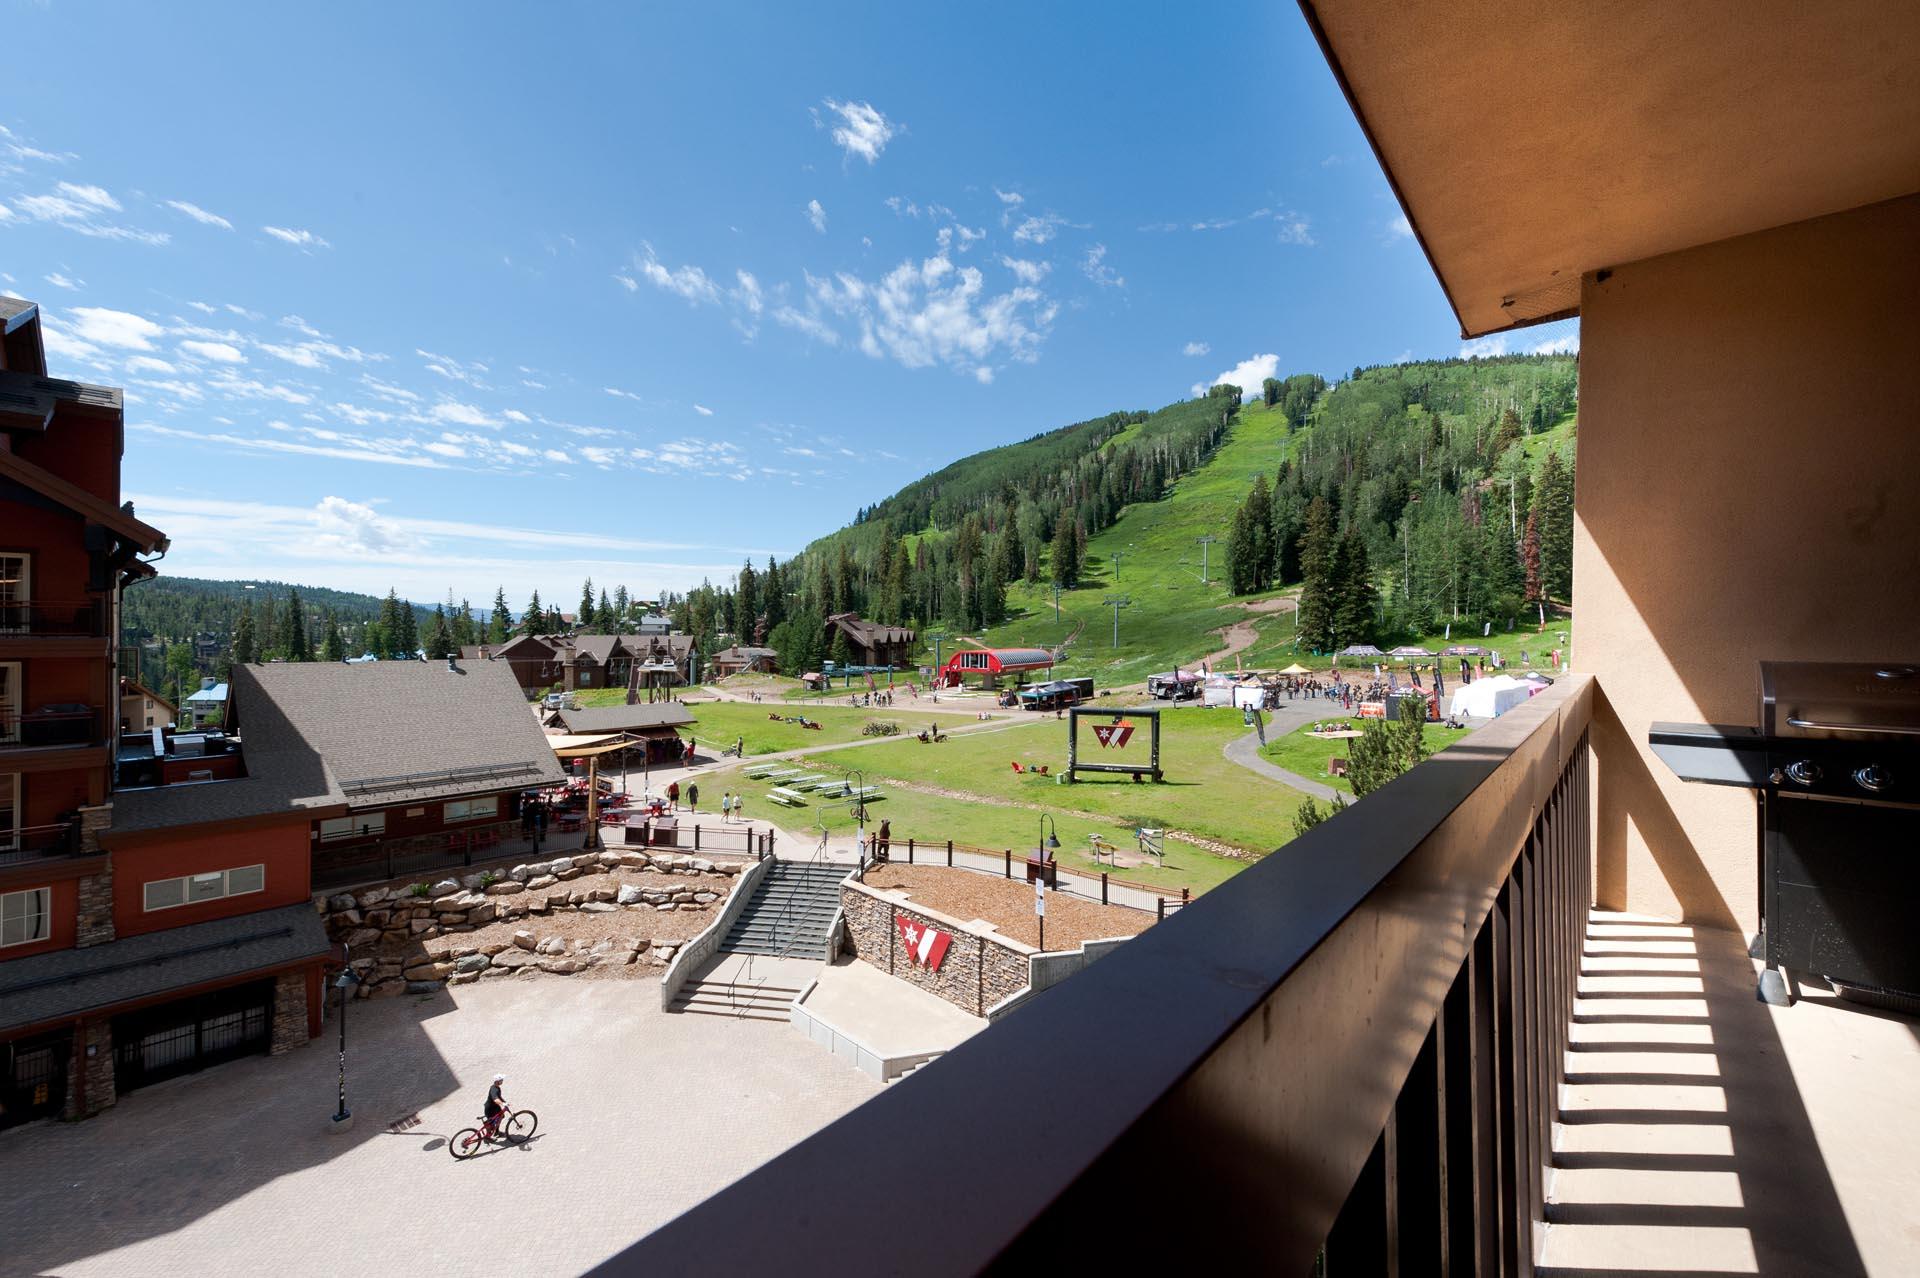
(73,618)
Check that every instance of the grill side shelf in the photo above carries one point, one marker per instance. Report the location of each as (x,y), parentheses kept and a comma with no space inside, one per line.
(1711,753)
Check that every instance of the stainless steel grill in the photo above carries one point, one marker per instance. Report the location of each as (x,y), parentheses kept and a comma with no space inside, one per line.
(1835,762)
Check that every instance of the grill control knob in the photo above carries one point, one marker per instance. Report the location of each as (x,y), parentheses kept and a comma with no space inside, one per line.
(1872,778)
(1803,772)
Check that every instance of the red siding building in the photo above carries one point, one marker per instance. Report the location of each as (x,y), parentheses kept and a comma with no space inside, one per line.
(116,968)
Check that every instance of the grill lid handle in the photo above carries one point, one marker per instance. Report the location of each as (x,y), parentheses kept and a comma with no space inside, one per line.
(1883,729)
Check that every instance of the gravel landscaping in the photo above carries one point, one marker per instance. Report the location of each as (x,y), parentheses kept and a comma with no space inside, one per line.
(1008,905)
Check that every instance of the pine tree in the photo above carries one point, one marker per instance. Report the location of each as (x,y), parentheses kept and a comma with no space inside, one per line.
(1530,558)
(295,644)
(1316,614)
(242,646)
(1355,596)
(1553,502)
(406,636)
(1240,552)
(439,636)
(500,620)
(1259,508)
(333,646)
(603,620)
(1066,569)
(465,632)
(534,620)
(583,615)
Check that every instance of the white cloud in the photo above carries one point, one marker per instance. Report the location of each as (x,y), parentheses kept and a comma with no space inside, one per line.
(1027,272)
(1095,268)
(1195,348)
(1485,347)
(5,213)
(218,352)
(748,298)
(627,282)
(1247,375)
(983,375)
(931,312)
(1038,230)
(115,328)
(617,393)
(817,216)
(811,325)
(298,237)
(93,197)
(1295,228)
(199,214)
(459,414)
(863,131)
(1565,344)
(58,280)
(148,364)
(703,410)
(316,354)
(66,348)
(1400,228)
(300,326)
(348,525)
(1009,197)
(689,282)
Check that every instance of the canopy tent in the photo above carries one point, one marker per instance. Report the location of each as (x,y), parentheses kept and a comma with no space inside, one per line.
(1411,652)
(1361,650)
(1489,698)
(1296,669)
(1466,651)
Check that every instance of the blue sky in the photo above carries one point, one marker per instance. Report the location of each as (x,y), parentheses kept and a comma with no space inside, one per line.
(440,296)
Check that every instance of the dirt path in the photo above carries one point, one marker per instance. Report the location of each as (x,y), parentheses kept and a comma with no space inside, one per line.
(1239,637)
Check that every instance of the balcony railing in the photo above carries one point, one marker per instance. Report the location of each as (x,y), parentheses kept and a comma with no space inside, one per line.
(65,724)
(38,843)
(53,618)
(1347,1055)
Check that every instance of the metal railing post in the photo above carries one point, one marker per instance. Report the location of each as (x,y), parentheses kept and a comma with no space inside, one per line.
(909,851)
(1160,909)
(1009,862)
(696,838)
(1103,887)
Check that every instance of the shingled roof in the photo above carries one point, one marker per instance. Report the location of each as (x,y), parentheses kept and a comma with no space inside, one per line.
(63,983)
(325,735)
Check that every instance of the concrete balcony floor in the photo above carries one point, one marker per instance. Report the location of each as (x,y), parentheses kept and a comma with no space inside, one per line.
(1702,1132)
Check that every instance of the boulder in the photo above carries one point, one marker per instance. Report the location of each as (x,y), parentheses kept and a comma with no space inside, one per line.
(569,873)
(627,895)
(374,896)
(492,948)
(706,898)
(452,903)
(473,882)
(422,987)
(540,881)
(561,966)
(524,940)
(701,864)
(604,946)
(507,960)
(609,859)
(506,887)
(601,894)
(597,907)
(463,978)
(420,927)
(344,901)
(536,905)
(638,943)
(347,918)
(585,859)
(471,963)
(496,970)
(363,936)
(520,873)
(460,951)
(512,909)
(635,860)
(427,971)
(550,945)
(378,918)
(445,887)
(666,907)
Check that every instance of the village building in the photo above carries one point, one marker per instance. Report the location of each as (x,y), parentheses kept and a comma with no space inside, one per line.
(990,665)
(740,660)
(208,705)
(571,663)
(873,644)
(141,708)
(113,972)
(656,726)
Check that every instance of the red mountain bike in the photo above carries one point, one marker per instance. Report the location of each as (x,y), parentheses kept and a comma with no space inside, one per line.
(508,1127)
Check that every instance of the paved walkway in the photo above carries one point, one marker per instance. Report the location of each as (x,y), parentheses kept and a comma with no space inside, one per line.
(231,1171)
(1288,716)
(888,1015)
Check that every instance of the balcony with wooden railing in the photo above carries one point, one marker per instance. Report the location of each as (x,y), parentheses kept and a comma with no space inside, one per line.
(52,619)
(1404,1043)
(52,726)
(32,844)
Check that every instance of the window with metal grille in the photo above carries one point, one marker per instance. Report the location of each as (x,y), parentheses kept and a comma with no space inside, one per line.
(26,916)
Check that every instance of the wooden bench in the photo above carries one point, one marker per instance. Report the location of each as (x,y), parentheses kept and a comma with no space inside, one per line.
(1102,848)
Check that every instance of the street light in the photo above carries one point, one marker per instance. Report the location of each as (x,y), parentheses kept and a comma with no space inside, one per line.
(859,808)
(1049,844)
(348,978)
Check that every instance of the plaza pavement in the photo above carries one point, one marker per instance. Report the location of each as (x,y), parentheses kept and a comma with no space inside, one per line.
(232,1171)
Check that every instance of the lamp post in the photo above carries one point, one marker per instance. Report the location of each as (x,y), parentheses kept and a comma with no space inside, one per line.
(1049,844)
(856,782)
(342,1120)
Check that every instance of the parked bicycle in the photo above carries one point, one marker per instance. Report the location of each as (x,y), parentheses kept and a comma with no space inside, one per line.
(508,1127)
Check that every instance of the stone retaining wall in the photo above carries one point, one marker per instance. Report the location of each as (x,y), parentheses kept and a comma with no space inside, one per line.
(415,914)
(981,968)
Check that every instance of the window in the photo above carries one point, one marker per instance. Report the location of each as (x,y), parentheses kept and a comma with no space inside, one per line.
(9,810)
(16,583)
(26,916)
(359,825)
(192,889)
(10,701)
(471,809)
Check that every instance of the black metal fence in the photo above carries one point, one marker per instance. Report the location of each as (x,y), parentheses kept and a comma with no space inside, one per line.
(961,856)
(1346,1056)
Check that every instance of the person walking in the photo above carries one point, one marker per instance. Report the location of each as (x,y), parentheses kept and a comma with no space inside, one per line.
(673,796)
(726,807)
(693,796)
(740,810)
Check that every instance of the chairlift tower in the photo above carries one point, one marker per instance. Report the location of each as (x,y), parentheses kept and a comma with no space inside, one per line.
(1116,602)
(1205,541)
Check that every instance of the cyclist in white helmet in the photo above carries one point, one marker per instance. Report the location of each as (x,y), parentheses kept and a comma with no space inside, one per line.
(496,1103)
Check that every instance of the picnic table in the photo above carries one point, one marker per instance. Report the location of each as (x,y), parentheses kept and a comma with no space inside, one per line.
(787,798)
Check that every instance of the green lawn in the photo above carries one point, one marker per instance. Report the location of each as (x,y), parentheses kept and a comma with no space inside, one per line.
(1204,794)
(718,723)
(1306,755)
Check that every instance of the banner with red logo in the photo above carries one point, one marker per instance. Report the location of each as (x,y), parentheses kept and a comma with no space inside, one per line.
(926,945)
(1113,734)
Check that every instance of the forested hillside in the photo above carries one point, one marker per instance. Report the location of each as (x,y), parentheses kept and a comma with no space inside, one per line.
(1399,503)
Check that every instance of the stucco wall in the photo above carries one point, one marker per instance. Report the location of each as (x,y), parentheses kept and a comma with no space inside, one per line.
(1748,488)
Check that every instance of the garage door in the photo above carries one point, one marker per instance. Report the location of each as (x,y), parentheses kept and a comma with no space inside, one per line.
(33,1078)
(191,1034)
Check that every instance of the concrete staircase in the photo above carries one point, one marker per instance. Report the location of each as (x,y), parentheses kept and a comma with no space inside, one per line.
(790,912)
(737,998)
